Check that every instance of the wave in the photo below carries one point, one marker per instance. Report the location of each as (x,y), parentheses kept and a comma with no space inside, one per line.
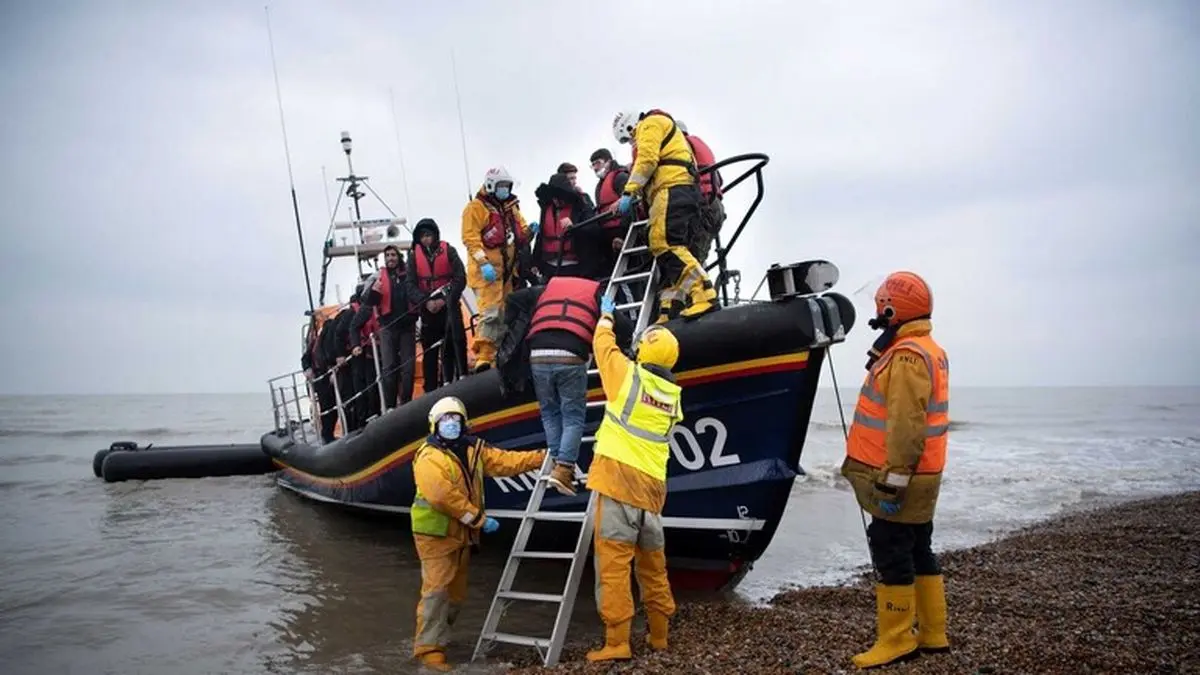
(115,434)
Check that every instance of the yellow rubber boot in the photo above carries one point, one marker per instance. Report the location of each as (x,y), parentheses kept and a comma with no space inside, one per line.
(659,625)
(616,644)
(895,609)
(704,300)
(436,661)
(931,614)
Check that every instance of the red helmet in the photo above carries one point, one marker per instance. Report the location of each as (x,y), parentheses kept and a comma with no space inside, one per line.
(903,296)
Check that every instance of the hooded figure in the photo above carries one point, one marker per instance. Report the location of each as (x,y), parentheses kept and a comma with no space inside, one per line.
(561,250)
(436,279)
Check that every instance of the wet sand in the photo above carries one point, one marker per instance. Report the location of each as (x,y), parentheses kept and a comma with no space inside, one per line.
(1108,590)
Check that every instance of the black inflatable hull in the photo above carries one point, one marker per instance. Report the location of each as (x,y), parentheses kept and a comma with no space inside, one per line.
(749,376)
(126,461)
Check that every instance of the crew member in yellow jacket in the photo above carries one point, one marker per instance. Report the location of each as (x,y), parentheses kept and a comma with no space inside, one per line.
(629,471)
(894,459)
(664,173)
(493,230)
(447,515)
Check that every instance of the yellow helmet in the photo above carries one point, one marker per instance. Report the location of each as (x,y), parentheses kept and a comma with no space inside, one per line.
(659,347)
(445,406)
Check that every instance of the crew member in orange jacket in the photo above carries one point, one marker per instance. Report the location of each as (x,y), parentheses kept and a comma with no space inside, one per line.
(447,515)
(493,230)
(895,455)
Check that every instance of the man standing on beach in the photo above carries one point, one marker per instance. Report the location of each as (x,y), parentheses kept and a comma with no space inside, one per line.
(895,455)
(629,473)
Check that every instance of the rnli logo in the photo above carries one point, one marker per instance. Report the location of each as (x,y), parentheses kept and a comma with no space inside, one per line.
(655,403)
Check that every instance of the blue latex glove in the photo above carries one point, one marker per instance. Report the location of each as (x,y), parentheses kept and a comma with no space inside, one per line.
(489,272)
(534,228)
(889,497)
(624,204)
(490,525)
(607,306)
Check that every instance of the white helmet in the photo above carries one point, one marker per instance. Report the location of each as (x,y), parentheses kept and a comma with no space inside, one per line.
(624,124)
(495,176)
(445,406)
(681,125)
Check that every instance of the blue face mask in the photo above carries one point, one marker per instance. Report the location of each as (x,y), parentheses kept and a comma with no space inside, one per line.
(449,427)
(502,193)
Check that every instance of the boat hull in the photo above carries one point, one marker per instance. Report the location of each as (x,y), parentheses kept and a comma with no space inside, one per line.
(749,377)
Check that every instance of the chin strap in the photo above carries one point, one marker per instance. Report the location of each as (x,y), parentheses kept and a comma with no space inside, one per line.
(884,341)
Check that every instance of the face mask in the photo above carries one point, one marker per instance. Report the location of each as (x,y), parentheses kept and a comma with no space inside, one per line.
(601,172)
(502,193)
(449,428)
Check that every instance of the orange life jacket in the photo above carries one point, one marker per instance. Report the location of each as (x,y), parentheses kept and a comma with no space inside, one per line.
(501,226)
(568,303)
(868,435)
(553,234)
(439,272)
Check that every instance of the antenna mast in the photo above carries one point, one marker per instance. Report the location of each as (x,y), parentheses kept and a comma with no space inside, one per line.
(287,153)
(400,152)
(461,129)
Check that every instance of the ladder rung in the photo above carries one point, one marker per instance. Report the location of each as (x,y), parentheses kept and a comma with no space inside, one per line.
(631,277)
(532,597)
(526,640)
(597,404)
(629,305)
(560,516)
(593,371)
(636,249)
(544,555)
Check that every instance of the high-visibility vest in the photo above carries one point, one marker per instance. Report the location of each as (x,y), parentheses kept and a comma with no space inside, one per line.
(428,520)
(868,434)
(637,422)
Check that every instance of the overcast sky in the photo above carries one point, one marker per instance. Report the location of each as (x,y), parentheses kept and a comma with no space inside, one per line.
(1037,162)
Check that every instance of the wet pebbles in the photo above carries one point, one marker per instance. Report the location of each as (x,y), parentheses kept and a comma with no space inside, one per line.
(1114,590)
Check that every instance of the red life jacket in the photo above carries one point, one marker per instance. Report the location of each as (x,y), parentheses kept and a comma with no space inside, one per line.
(553,234)
(568,303)
(501,225)
(439,272)
(710,184)
(606,196)
(369,327)
(383,285)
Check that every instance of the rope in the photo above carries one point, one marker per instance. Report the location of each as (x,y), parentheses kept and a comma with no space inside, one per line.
(846,436)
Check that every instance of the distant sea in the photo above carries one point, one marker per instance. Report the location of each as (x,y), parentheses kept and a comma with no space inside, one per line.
(233,575)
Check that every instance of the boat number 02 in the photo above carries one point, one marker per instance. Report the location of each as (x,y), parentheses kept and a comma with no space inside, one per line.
(689,450)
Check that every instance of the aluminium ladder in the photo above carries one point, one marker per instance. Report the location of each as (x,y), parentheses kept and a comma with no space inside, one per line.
(550,648)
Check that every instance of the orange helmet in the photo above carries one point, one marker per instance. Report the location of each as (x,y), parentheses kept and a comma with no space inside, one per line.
(903,296)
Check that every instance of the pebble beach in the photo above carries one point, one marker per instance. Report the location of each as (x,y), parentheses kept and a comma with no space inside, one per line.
(1105,590)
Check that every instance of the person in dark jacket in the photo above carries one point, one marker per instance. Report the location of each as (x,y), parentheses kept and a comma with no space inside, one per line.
(364,401)
(335,344)
(572,173)
(436,279)
(397,322)
(548,338)
(559,249)
(316,368)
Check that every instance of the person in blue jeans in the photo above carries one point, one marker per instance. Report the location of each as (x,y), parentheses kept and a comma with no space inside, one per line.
(560,348)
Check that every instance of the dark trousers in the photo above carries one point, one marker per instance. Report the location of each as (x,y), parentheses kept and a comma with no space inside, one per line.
(397,353)
(345,385)
(901,551)
(326,401)
(445,362)
(366,405)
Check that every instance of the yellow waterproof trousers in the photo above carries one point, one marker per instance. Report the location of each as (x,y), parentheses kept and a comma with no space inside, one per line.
(675,224)
(626,534)
(490,328)
(443,590)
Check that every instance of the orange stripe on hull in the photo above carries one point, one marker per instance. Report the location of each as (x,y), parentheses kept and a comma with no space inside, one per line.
(526,411)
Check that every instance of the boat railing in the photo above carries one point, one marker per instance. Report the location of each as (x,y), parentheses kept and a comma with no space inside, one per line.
(760,160)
